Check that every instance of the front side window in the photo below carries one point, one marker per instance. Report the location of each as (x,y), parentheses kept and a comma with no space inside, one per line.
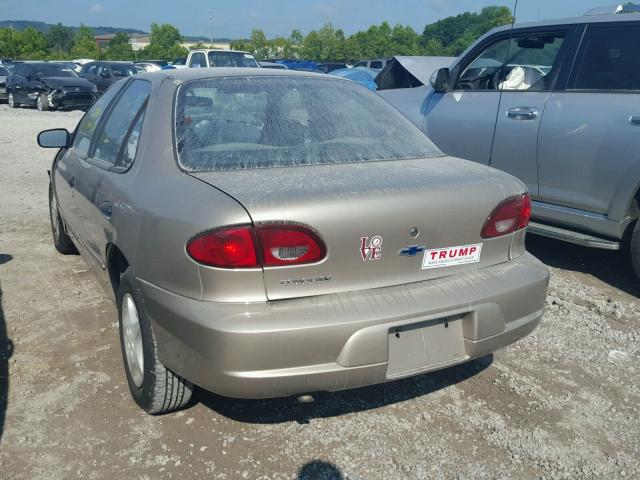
(123,70)
(608,59)
(121,122)
(87,126)
(232,59)
(376,64)
(262,122)
(517,64)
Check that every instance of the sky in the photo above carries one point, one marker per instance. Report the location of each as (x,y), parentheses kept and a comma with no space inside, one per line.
(236,18)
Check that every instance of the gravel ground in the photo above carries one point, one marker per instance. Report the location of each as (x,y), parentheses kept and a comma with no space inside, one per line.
(562,403)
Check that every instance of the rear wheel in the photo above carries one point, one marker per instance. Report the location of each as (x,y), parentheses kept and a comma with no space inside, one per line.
(42,103)
(154,388)
(61,239)
(12,101)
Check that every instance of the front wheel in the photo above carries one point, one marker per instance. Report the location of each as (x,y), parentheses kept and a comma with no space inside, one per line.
(42,103)
(61,239)
(12,101)
(153,387)
(635,249)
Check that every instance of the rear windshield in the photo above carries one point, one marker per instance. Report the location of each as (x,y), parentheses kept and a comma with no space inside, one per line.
(260,122)
(232,59)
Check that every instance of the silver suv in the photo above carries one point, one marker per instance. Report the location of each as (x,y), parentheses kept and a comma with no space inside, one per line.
(557,104)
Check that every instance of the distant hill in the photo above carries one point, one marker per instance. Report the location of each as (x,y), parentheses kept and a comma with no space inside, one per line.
(44,27)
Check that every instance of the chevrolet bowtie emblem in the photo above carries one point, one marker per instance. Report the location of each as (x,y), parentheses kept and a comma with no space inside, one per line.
(411,251)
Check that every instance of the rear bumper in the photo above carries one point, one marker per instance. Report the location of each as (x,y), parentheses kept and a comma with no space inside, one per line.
(340,341)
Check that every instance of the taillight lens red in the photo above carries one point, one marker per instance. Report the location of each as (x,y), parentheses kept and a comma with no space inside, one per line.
(265,245)
(510,215)
(226,248)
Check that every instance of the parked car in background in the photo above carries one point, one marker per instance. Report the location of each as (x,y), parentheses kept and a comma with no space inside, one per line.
(321,241)
(557,104)
(329,67)
(220,58)
(148,66)
(364,76)
(180,62)
(4,73)
(72,65)
(375,64)
(49,86)
(105,74)
(273,65)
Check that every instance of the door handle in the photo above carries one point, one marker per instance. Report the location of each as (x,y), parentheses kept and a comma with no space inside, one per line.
(635,120)
(71,181)
(522,113)
(107,209)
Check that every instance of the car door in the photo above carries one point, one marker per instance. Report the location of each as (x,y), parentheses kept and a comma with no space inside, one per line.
(461,121)
(19,83)
(72,163)
(99,185)
(589,144)
(534,64)
(103,78)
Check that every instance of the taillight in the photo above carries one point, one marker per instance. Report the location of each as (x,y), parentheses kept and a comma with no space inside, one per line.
(510,215)
(289,245)
(225,248)
(265,245)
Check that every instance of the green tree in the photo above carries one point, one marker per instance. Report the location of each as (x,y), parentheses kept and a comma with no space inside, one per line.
(324,44)
(260,45)
(33,44)
(10,41)
(456,33)
(84,45)
(119,48)
(165,43)
(59,41)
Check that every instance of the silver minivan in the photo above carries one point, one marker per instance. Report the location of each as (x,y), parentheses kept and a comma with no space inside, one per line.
(557,104)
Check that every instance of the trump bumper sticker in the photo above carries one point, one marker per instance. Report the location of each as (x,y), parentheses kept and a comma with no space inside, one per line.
(449,256)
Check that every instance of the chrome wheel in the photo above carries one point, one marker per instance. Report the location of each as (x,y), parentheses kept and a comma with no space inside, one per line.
(12,102)
(39,103)
(132,337)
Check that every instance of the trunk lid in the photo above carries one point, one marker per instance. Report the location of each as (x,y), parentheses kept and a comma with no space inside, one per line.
(368,215)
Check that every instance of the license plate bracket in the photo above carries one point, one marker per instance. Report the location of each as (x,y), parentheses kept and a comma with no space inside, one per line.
(425,345)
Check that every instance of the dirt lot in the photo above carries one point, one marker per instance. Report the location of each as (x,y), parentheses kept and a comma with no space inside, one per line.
(563,403)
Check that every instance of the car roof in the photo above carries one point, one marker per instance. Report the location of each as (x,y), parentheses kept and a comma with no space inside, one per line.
(181,75)
(208,50)
(618,17)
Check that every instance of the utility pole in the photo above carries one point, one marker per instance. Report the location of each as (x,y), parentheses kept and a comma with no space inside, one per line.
(211,27)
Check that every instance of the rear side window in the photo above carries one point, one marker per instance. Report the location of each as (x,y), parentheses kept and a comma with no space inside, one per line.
(123,121)
(87,126)
(198,60)
(376,64)
(275,121)
(609,59)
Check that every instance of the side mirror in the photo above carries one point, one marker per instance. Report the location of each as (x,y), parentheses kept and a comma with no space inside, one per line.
(440,80)
(55,138)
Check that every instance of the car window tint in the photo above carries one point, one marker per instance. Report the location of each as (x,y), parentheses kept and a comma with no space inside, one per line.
(120,120)
(609,59)
(376,64)
(261,122)
(123,70)
(361,64)
(88,124)
(520,63)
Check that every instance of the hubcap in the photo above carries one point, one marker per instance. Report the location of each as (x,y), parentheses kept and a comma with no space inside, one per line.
(11,101)
(132,339)
(53,212)
(39,102)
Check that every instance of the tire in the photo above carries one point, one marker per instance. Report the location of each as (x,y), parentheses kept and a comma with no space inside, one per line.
(634,249)
(42,103)
(153,387)
(11,101)
(61,239)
